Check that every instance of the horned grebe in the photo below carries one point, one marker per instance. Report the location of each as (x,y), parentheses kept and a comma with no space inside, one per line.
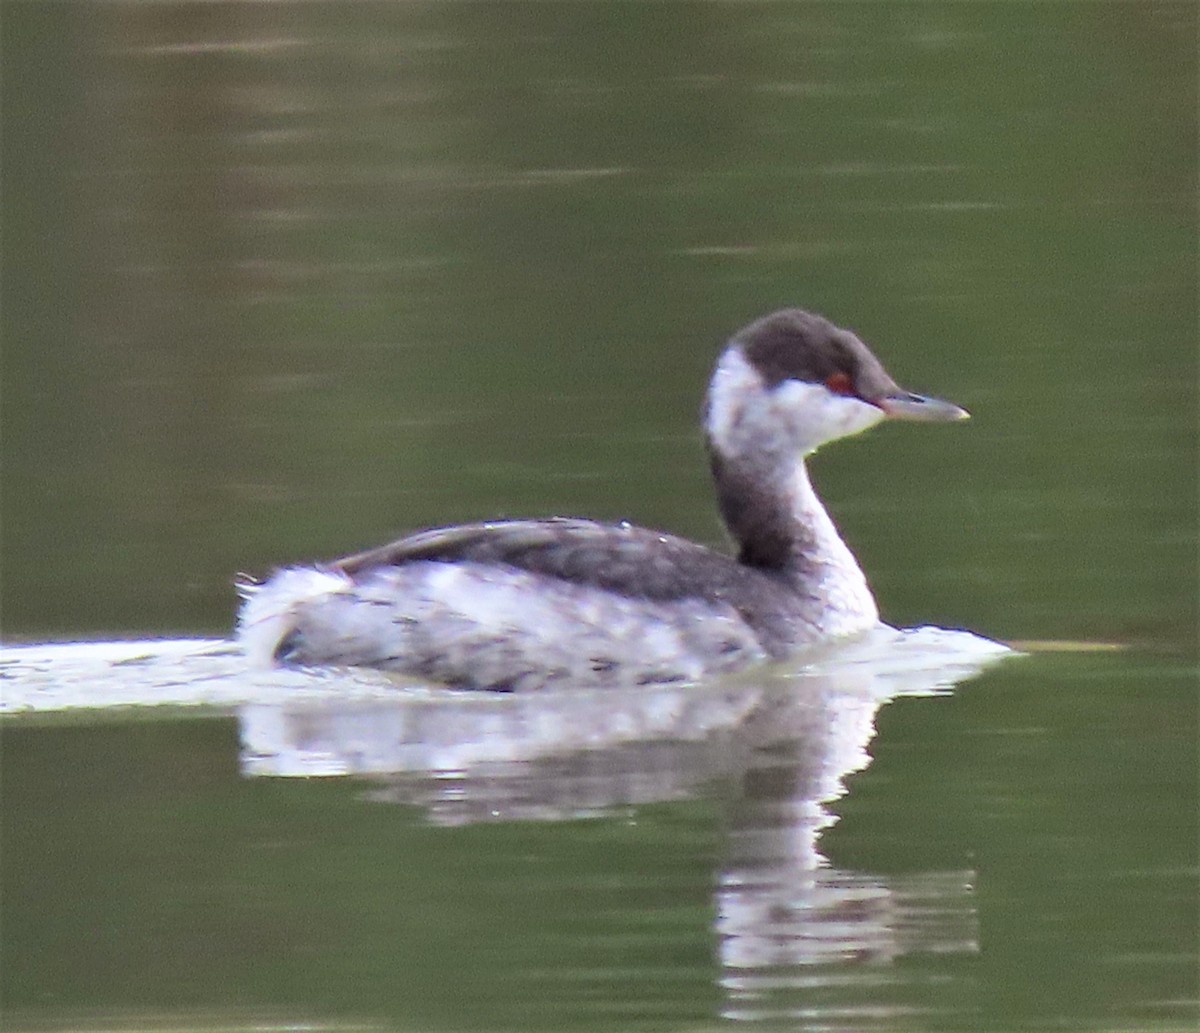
(532,604)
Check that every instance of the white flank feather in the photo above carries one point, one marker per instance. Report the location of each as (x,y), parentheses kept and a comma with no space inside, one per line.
(269,614)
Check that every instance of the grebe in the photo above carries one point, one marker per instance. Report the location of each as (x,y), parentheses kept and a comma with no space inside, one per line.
(530,604)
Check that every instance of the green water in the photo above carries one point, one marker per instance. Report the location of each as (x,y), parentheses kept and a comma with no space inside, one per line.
(283,280)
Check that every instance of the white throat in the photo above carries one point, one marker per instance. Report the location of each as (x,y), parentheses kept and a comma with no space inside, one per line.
(830,569)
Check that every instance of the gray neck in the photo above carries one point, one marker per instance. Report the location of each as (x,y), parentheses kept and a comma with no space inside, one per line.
(782,528)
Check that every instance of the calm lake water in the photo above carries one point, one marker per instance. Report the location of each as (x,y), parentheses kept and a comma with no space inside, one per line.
(285,280)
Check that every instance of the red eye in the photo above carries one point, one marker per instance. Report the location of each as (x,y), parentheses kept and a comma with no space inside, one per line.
(840,384)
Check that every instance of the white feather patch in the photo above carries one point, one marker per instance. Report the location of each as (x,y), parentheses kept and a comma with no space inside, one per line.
(269,614)
(734,383)
(745,417)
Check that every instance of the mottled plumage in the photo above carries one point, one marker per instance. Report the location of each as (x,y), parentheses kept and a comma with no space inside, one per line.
(531,604)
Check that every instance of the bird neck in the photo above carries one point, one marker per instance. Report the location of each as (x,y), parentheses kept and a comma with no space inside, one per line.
(781,527)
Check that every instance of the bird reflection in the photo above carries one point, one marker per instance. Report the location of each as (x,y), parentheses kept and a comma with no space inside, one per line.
(789,926)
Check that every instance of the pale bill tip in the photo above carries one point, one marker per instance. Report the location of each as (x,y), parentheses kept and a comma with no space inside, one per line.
(919,407)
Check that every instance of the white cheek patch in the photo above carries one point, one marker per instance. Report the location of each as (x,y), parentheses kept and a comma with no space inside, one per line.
(815,415)
(745,416)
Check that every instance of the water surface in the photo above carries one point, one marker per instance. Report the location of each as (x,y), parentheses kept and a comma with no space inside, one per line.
(286,280)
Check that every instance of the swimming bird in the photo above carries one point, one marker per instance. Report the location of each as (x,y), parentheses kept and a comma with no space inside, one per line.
(521,605)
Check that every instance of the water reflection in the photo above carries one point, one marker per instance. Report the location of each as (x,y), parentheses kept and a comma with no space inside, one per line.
(795,936)
(792,930)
